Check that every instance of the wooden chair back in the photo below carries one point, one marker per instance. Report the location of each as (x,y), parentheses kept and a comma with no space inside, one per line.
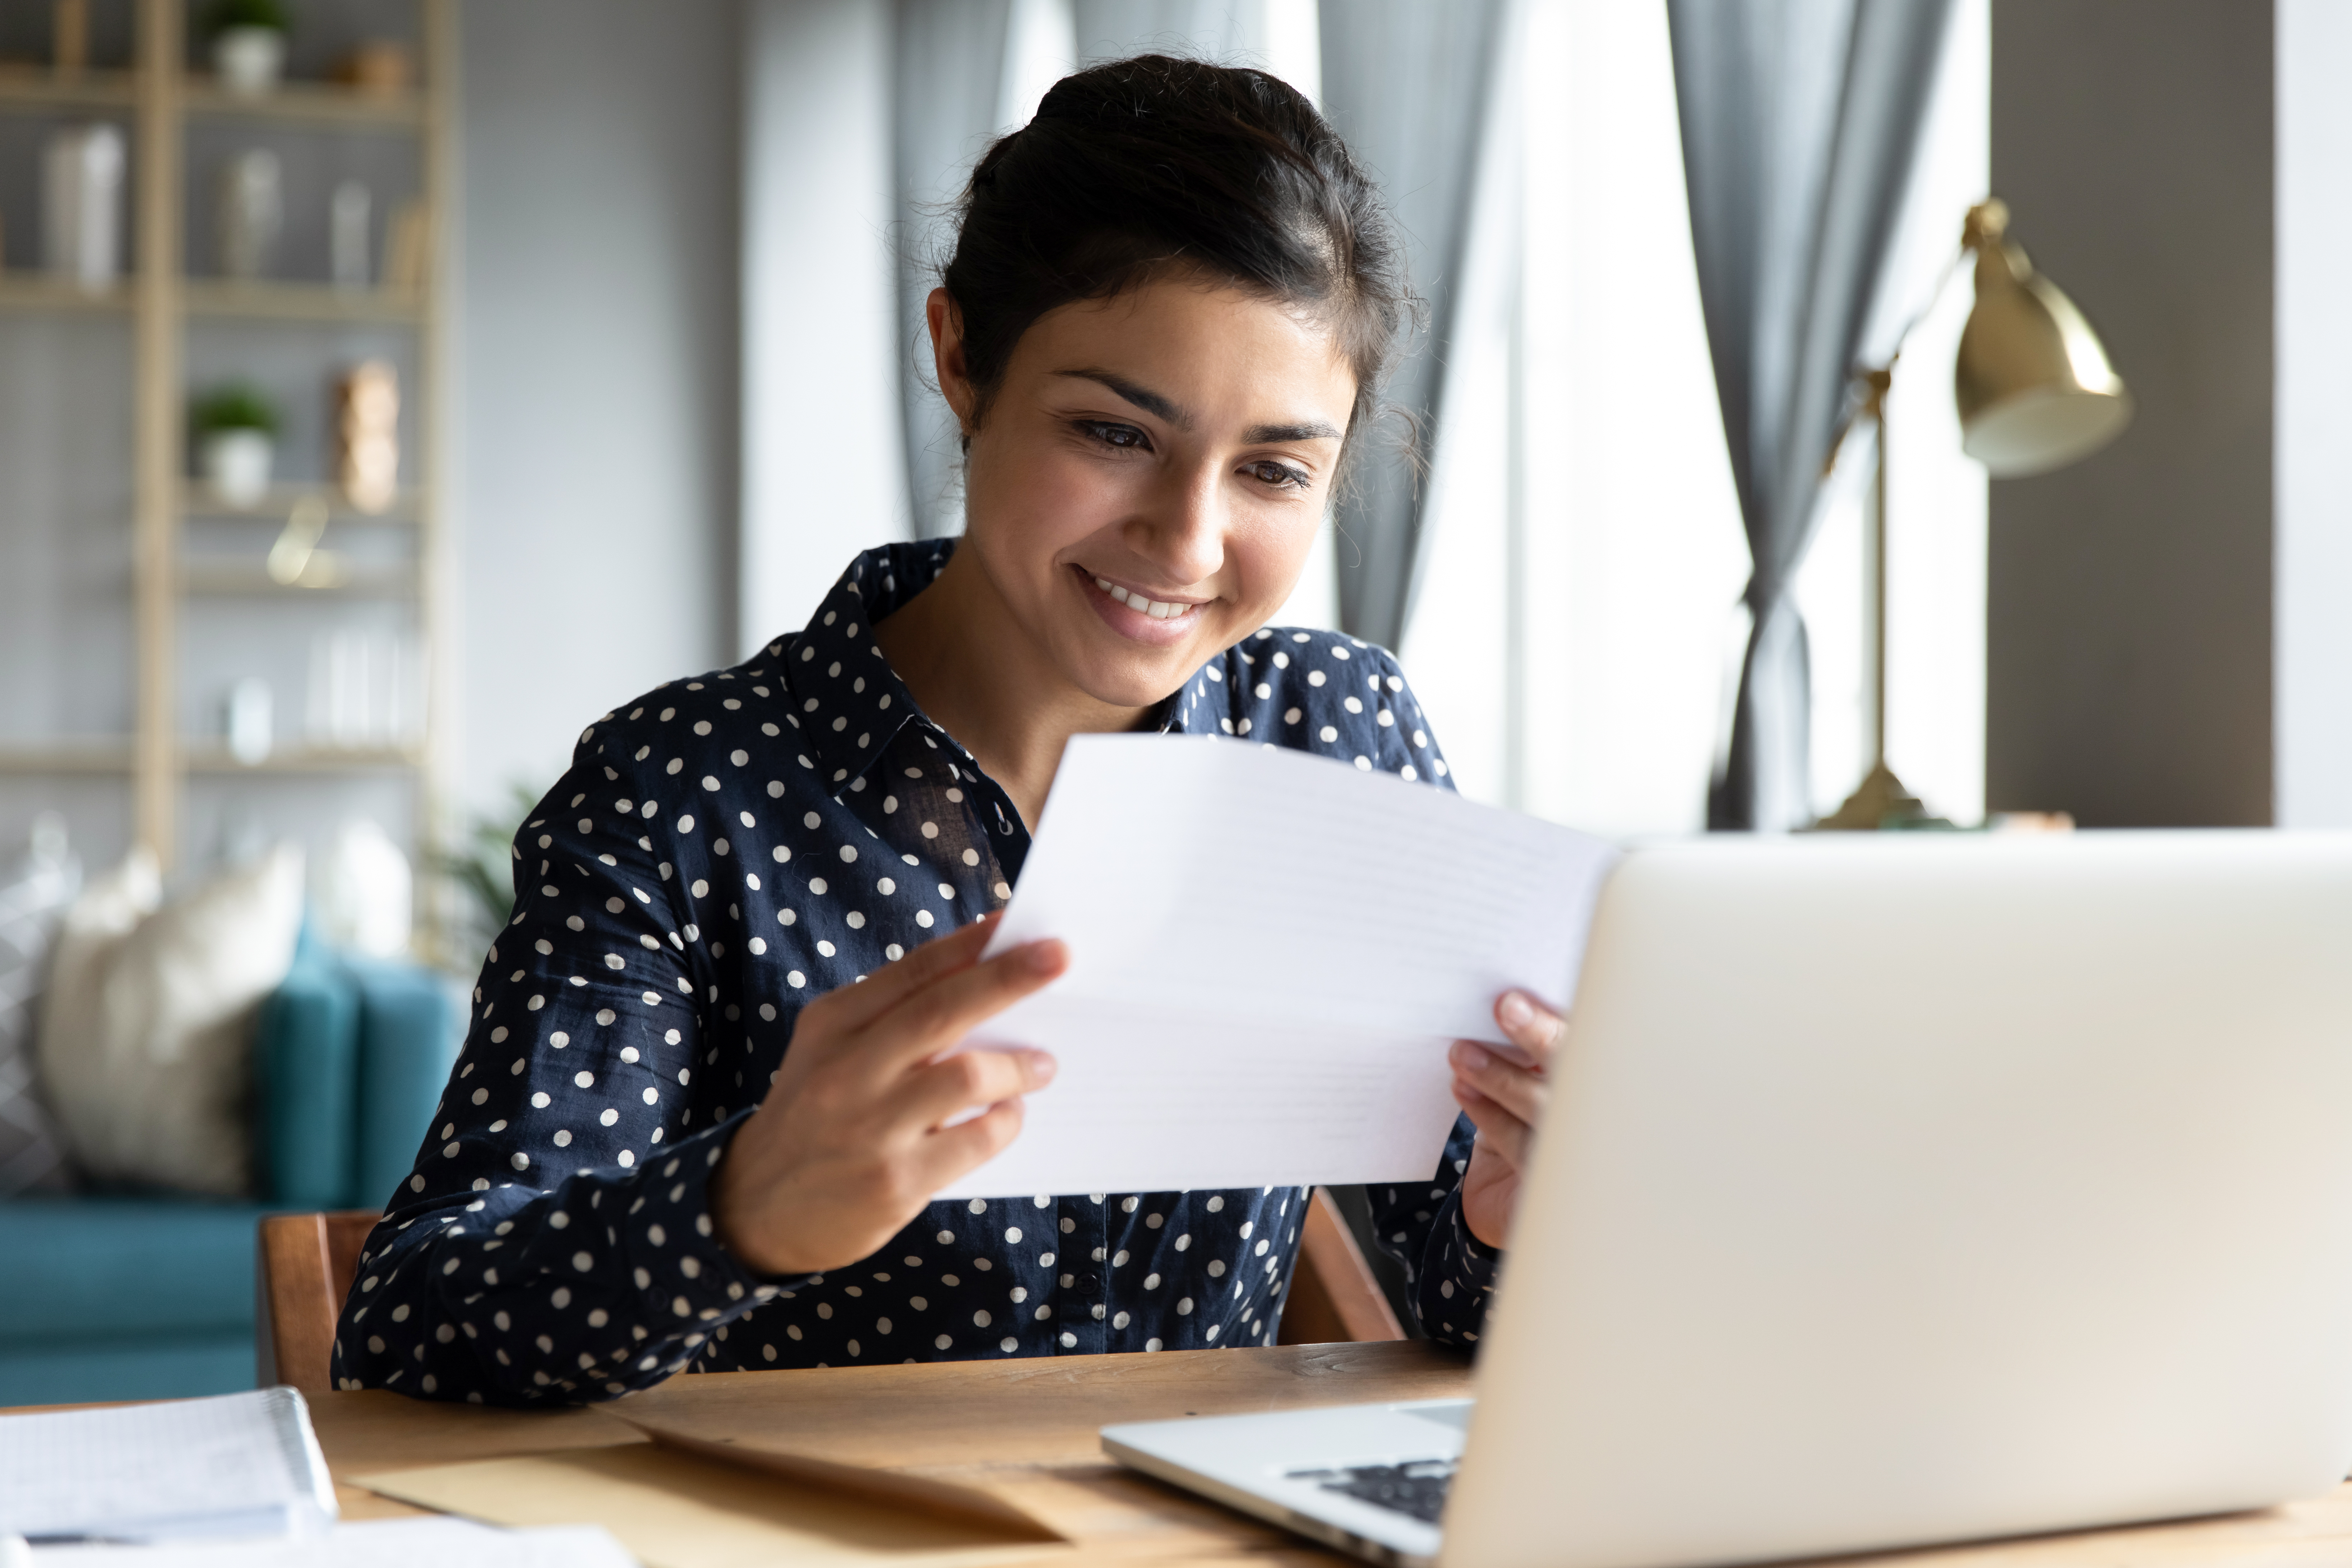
(1333,1294)
(304,1265)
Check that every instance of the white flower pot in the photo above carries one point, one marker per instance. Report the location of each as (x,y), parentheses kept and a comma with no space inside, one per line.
(248,61)
(237,466)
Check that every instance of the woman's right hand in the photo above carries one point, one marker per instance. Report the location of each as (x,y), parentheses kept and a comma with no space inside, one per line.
(854,1138)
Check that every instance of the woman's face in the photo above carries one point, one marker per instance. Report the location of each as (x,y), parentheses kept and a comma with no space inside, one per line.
(1144,486)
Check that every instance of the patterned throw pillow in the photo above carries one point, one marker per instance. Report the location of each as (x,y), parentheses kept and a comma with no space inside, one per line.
(34,895)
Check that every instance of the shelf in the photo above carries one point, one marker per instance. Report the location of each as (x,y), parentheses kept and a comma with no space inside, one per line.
(58,757)
(38,291)
(38,87)
(212,758)
(220,299)
(208,757)
(196,500)
(234,580)
(319,102)
(212,298)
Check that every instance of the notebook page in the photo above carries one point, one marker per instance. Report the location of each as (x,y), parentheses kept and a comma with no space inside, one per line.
(1269,954)
(379,1544)
(239,1464)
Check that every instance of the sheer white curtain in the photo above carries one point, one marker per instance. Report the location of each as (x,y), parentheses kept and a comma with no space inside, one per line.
(1584,533)
(1936,496)
(825,473)
(1572,647)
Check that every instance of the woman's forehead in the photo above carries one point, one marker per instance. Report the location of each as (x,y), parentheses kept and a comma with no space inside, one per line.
(1183,342)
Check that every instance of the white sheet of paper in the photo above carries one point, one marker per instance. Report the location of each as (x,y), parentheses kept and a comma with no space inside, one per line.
(379,1544)
(232,1464)
(1270,953)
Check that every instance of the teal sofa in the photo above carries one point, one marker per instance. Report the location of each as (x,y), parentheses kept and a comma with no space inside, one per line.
(123,1295)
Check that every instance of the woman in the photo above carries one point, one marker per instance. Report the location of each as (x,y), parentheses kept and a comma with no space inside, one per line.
(701,1111)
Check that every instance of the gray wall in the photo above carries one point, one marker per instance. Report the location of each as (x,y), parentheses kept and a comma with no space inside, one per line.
(596,376)
(2129,601)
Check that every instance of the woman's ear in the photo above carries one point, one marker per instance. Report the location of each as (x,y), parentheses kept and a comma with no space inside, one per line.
(948,357)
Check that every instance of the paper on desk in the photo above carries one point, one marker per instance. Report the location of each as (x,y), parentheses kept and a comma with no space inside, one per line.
(1269,954)
(233,1464)
(382,1543)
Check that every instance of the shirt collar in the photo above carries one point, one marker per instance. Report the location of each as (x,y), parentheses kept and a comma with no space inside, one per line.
(849,703)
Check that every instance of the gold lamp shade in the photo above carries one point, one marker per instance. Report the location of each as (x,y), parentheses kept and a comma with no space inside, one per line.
(2033,385)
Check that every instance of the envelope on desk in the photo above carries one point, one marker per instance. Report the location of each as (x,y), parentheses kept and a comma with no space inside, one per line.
(680,1502)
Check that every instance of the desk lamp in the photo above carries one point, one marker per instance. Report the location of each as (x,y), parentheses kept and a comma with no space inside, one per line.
(2035,392)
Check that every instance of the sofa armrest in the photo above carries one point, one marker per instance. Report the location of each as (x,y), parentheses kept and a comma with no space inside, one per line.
(305,1070)
(408,1041)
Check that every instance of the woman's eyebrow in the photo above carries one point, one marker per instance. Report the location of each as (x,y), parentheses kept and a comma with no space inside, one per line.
(1311,430)
(1143,397)
(1174,413)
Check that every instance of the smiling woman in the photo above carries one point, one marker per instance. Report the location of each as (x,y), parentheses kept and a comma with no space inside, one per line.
(682,1134)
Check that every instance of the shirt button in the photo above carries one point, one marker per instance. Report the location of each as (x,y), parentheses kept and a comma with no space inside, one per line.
(1089,1282)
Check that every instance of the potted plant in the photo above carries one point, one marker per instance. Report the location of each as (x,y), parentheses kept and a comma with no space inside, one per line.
(248,44)
(236,431)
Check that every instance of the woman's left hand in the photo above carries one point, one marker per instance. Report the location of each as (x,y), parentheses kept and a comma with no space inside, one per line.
(1503,1090)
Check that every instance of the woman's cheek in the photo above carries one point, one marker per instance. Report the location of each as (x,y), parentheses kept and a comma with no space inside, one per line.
(1271,554)
(1050,503)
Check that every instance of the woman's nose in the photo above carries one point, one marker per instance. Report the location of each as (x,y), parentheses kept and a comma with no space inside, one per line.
(1183,532)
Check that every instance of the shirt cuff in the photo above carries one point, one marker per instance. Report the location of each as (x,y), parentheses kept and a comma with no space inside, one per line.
(1458,1279)
(684,1276)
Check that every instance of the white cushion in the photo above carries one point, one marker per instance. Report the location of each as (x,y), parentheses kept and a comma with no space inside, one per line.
(147,1026)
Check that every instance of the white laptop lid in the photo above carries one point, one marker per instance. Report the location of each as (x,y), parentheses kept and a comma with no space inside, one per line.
(1902,1188)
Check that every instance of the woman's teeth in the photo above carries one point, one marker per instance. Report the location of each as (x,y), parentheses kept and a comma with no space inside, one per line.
(1157,609)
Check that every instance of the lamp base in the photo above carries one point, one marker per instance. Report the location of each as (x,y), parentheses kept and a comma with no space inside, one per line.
(1880,802)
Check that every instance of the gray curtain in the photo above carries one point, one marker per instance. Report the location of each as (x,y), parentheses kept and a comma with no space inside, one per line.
(950,70)
(1408,83)
(1799,119)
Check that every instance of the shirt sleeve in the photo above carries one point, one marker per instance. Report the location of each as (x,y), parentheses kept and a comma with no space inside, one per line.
(554,1242)
(1449,1274)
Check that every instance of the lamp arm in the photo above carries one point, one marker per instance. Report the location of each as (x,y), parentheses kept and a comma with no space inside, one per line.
(1872,406)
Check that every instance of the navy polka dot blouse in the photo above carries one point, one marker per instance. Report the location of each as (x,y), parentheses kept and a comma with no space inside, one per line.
(723,850)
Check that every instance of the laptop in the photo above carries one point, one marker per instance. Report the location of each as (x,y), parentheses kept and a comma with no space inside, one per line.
(1895,1190)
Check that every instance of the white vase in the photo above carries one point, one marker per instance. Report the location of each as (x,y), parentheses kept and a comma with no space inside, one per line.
(252,211)
(236,466)
(248,61)
(81,206)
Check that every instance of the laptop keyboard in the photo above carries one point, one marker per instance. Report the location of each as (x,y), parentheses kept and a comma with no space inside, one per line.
(1416,1488)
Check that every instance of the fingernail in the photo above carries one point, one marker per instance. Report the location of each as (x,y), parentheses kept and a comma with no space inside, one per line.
(1041,1066)
(1472,1059)
(1515,1011)
(1043,957)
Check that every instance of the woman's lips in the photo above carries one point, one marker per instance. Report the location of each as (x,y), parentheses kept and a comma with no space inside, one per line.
(1158,609)
(1135,615)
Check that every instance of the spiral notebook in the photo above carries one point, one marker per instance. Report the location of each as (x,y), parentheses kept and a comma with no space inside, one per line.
(239,1465)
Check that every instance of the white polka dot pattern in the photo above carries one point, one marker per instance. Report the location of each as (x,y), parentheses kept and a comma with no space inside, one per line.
(723,850)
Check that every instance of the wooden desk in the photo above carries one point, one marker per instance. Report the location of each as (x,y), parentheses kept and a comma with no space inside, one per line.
(1028,1427)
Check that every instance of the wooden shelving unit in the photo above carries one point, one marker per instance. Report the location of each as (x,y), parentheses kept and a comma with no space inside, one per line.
(33,291)
(298,302)
(160,98)
(314,102)
(85,89)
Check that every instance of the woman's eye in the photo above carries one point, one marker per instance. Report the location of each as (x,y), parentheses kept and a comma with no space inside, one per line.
(1278,474)
(1126,436)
